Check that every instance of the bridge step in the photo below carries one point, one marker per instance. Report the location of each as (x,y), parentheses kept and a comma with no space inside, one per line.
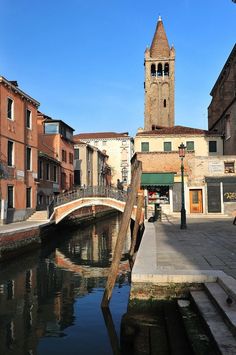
(38,216)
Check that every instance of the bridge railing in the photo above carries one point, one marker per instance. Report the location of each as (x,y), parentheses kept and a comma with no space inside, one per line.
(90,191)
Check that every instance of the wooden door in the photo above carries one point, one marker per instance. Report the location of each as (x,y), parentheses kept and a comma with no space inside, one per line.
(195,201)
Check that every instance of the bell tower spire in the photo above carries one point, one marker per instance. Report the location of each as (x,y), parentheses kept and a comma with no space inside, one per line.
(159,81)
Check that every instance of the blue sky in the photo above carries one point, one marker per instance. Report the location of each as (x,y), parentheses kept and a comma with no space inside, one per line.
(83,60)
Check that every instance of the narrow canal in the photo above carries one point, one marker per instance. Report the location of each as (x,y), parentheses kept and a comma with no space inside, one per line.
(50,299)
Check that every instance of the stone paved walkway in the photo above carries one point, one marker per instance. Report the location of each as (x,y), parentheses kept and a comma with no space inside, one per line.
(20,226)
(206,245)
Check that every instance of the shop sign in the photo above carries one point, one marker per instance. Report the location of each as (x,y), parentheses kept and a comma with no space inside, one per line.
(216,167)
(229,194)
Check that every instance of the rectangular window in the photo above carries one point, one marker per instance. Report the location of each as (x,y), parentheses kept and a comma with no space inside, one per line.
(104,142)
(145,147)
(28,197)
(190,146)
(76,151)
(71,181)
(51,128)
(54,173)
(28,158)
(124,174)
(63,180)
(77,179)
(10,147)
(10,196)
(229,167)
(212,146)
(167,146)
(63,153)
(28,119)
(40,169)
(71,158)
(227,127)
(47,171)
(10,108)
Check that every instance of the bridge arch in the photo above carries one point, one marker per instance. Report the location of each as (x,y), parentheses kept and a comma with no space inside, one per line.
(62,211)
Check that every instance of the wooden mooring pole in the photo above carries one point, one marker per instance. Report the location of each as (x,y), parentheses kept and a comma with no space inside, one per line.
(137,222)
(131,199)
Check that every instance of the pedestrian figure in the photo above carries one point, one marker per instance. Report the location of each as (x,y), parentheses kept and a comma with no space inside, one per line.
(119,185)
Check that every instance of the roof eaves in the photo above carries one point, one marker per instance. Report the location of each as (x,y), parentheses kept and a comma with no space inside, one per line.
(17,90)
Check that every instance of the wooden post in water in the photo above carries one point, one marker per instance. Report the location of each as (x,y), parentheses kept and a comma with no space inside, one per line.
(137,222)
(131,199)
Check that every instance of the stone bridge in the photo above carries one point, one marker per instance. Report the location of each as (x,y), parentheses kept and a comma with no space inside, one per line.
(66,203)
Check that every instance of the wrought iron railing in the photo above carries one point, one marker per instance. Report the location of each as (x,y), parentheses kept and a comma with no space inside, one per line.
(90,191)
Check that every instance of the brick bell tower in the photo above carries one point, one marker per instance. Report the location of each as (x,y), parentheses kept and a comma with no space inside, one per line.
(159,81)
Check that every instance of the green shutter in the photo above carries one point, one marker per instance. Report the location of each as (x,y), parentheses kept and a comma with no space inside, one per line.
(145,147)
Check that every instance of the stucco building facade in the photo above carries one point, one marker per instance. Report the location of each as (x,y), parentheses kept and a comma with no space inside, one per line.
(119,148)
(18,152)
(90,166)
(161,178)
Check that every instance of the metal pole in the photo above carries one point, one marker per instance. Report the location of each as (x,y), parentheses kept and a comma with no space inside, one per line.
(183,211)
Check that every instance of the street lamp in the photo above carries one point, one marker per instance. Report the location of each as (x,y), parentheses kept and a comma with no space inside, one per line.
(183,211)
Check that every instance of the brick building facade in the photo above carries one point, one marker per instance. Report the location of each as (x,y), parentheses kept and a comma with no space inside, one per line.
(56,158)
(158,151)
(159,81)
(222,109)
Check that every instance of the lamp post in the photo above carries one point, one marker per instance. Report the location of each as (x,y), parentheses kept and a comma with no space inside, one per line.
(183,211)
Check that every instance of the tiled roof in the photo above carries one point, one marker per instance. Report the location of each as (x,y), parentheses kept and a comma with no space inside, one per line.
(99,135)
(177,130)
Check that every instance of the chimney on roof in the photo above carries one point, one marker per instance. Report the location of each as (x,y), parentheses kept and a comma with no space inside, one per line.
(14,82)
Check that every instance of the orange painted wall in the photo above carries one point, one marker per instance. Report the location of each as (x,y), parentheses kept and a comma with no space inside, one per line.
(16,131)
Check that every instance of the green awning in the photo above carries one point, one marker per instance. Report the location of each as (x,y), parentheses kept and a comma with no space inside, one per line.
(157,179)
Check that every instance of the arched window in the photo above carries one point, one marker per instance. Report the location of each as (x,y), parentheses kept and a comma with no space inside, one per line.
(166,69)
(159,69)
(164,103)
(153,70)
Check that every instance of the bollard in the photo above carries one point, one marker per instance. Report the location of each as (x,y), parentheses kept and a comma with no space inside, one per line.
(157,212)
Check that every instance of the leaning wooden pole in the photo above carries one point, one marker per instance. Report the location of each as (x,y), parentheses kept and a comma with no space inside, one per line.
(137,222)
(131,199)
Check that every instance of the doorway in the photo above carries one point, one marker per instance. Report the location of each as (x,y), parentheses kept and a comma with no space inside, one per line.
(195,201)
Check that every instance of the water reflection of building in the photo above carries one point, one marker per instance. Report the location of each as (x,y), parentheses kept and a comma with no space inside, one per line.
(37,298)
(18,314)
(94,245)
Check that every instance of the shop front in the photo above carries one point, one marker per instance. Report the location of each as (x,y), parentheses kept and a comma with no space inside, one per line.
(158,187)
(221,194)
